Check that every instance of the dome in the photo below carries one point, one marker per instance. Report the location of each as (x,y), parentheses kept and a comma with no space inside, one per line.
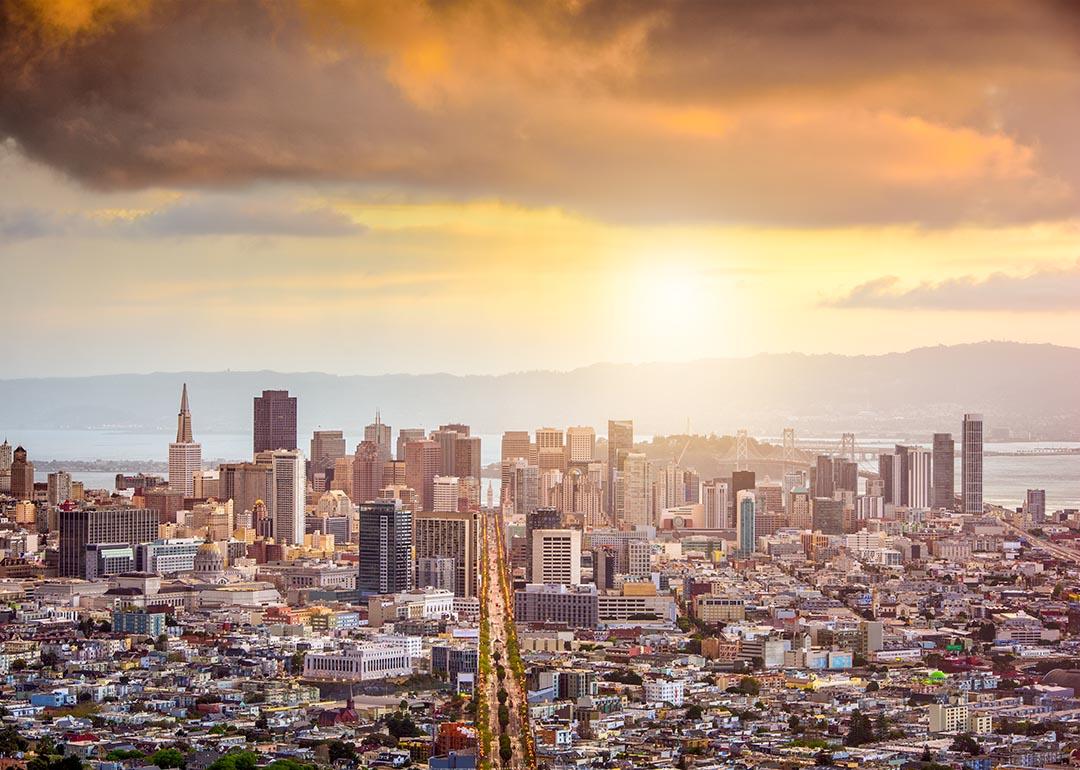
(209,561)
(209,547)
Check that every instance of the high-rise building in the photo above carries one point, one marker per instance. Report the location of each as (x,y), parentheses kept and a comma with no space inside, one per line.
(455,536)
(367,472)
(918,477)
(580,444)
(828,515)
(540,518)
(185,456)
(245,484)
(516,444)
(620,443)
(714,495)
(326,447)
(1035,506)
(943,487)
(447,494)
(447,441)
(824,476)
(6,457)
(845,475)
(633,497)
(59,487)
(971,463)
(467,457)
(386,545)
(746,534)
(382,436)
(423,460)
(890,470)
(275,421)
(405,435)
(556,556)
(287,496)
(22,476)
(82,527)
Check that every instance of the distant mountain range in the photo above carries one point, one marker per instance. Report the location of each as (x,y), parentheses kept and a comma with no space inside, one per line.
(1024,390)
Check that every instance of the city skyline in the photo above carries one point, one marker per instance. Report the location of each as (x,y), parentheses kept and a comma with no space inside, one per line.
(899,177)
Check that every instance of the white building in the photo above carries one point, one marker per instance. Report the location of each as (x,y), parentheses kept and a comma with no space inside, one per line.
(287,496)
(580,444)
(664,691)
(447,494)
(556,556)
(361,663)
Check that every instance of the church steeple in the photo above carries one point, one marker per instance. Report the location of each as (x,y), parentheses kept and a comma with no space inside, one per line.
(183,420)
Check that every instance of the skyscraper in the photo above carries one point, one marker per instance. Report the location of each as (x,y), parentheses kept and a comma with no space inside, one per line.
(746,504)
(620,443)
(275,421)
(185,456)
(22,476)
(918,477)
(1035,506)
(423,460)
(80,527)
(715,498)
(456,536)
(381,436)
(447,441)
(59,487)
(287,496)
(326,447)
(516,444)
(541,518)
(580,444)
(944,469)
(367,472)
(824,480)
(467,457)
(405,435)
(556,556)
(386,544)
(971,463)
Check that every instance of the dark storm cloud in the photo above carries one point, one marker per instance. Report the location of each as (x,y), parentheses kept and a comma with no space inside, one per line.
(1040,291)
(732,111)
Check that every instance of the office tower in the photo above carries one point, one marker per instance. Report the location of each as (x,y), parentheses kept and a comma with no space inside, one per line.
(447,494)
(59,487)
(405,435)
(580,444)
(828,515)
(435,572)
(746,504)
(326,447)
(382,436)
(524,487)
(918,477)
(634,495)
(871,637)
(971,463)
(540,518)
(604,560)
(550,451)
(367,472)
(943,489)
(467,457)
(447,441)
(455,536)
(691,486)
(715,498)
(84,527)
(6,457)
(800,514)
(275,421)
(393,474)
(740,481)
(556,556)
(769,496)
(386,544)
(245,484)
(620,443)
(22,476)
(423,459)
(824,478)
(185,456)
(1035,506)
(516,444)
(287,496)
(845,475)
(890,471)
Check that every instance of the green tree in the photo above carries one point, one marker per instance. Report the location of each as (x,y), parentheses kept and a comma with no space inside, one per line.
(168,758)
(748,685)
(11,742)
(342,750)
(966,744)
(872,686)
(860,730)
(694,712)
(236,760)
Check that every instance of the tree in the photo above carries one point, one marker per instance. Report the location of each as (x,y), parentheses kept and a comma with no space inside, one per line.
(794,724)
(881,727)
(748,685)
(235,760)
(966,743)
(506,751)
(167,758)
(11,742)
(859,731)
(17,665)
(926,755)
(694,712)
(342,750)
(872,686)
(162,643)
(823,758)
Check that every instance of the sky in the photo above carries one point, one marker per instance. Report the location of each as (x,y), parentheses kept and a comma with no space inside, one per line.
(486,186)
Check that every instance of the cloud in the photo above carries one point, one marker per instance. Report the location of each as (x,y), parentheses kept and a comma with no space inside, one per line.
(733,111)
(1054,290)
(209,215)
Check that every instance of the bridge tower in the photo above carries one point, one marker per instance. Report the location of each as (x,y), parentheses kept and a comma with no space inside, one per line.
(789,451)
(847,446)
(741,454)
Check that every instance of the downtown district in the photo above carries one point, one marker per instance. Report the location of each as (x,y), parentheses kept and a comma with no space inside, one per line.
(323,608)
